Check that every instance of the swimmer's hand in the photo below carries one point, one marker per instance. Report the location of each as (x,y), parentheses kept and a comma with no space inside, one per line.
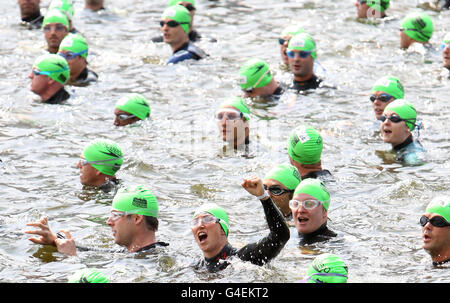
(253,185)
(67,244)
(47,237)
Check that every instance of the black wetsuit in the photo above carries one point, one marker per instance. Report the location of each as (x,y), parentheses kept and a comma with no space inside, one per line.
(441,262)
(186,52)
(257,253)
(34,21)
(311,83)
(58,98)
(320,235)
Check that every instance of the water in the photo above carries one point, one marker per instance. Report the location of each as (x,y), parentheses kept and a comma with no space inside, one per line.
(376,203)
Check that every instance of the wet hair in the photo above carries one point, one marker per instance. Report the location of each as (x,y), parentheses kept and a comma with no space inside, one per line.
(152,223)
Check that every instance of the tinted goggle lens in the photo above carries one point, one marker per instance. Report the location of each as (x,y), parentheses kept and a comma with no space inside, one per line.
(275,190)
(170,23)
(394,119)
(382,97)
(437,221)
(301,54)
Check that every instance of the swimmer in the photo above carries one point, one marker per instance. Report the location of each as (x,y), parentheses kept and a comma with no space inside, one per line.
(175,23)
(193,35)
(398,122)
(301,54)
(74,49)
(304,147)
(30,13)
(210,227)
(285,36)
(327,268)
(415,28)
(94,5)
(446,51)
(435,224)
(232,119)
(48,75)
(310,211)
(131,109)
(66,7)
(99,163)
(256,80)
(371,8)
(133,220)
(88,275)
(280,183)
(384,91)
(56,27)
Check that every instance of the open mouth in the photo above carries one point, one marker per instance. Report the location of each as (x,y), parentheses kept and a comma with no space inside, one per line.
(202,236)
(303,220)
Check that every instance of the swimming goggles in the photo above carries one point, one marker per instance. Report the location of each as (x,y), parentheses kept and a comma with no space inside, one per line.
(171,23)
(71,55)
(444,45)
(437,221)
(381,97)
(123,117)
(250,89)
(394,119)
(316,280)
(58,27)
(38,72)
(302,54)
(308,204)
(84,162)
(208,219)
(228,114)
(276,190)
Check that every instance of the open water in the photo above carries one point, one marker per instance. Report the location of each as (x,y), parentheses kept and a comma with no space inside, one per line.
(376,203)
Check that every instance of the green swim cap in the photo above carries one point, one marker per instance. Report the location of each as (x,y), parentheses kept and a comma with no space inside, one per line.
(390,85)
(216,211)
(135,104)
(239,104)
(418,26)
(305,145)
(292,30)
(137,199)
(53,66)
(106,154)
(180,14)
(286,174)
(446,38)
(66,6)
(441,206)
(378,5)
(254,73)
(88,275)
(404,110)
(55,16)
(327,268)
(316,189)
(74,43)
(174,2)
(303,42)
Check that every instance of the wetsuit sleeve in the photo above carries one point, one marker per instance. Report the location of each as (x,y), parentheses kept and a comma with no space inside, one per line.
(181,56)
(269,247)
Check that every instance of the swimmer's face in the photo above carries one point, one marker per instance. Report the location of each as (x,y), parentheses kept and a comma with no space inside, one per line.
(282,201)
(210,237)
(122,229)
(29,7)
(54,33)
(446,55)
(39,83)
(119,118)
(232,127)
(89,176)
(405,40)
(435,240)
(173,35)
(394,133)
(302,68)
(76,65)
(379,106)
(361,9)
(283,48)
(308,220)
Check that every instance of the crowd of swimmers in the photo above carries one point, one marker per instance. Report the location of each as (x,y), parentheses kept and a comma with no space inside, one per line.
(291,194)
